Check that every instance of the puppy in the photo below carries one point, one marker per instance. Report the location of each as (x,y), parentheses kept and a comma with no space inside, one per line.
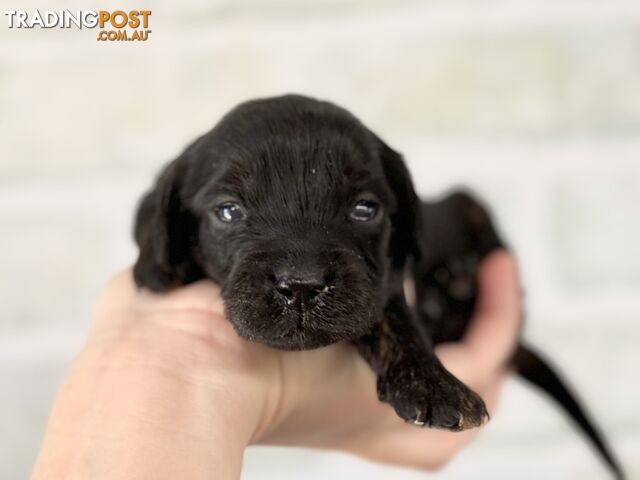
(309,223)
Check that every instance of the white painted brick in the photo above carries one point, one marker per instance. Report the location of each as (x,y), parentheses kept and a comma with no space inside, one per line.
(63,244)
(535,105)
(537,82)
(596,230)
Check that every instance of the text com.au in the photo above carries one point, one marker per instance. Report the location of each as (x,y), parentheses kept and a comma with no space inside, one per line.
(112,26)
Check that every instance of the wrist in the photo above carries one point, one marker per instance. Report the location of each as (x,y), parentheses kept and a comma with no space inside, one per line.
(122,405)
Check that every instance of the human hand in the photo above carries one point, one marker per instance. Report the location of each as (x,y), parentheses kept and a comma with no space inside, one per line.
(166,388)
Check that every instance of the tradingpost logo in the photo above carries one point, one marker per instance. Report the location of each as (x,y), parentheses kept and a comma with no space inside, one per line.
(114,26)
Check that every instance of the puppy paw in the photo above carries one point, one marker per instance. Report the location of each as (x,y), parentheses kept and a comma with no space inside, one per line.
(432,398)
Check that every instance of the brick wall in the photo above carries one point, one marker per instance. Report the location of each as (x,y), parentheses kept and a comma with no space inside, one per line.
(534,104)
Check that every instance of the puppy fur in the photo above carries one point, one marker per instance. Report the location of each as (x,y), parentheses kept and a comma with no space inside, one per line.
(310,222)
(297,167)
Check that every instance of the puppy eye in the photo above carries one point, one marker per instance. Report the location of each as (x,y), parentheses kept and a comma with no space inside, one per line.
(364,211)
(229,212)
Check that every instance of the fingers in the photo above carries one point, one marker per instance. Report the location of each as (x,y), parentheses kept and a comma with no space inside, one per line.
(203,295)
(124,307)
(493,331)
(498,284)
(492,334)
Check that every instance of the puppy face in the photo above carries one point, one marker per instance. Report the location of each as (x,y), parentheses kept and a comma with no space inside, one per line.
(288,204)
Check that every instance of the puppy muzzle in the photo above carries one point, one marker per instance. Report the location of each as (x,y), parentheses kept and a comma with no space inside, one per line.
(292,302)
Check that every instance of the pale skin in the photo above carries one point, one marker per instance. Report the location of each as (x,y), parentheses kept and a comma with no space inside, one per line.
(164,388)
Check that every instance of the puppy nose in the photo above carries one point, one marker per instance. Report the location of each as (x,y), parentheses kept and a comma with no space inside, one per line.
(306,287)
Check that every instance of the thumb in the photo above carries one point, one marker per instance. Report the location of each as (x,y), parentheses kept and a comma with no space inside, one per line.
(493,330)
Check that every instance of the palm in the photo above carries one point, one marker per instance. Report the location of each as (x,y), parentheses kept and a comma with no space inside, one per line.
(320,398)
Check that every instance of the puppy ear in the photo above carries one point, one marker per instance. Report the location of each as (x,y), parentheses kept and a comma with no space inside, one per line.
(405,219)
(166,234)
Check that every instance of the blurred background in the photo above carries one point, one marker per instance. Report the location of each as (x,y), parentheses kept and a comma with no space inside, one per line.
(534,104)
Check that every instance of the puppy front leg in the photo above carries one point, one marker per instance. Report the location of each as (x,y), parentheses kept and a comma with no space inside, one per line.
(412,379)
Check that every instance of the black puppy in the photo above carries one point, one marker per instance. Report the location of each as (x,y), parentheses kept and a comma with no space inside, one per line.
(309,222)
